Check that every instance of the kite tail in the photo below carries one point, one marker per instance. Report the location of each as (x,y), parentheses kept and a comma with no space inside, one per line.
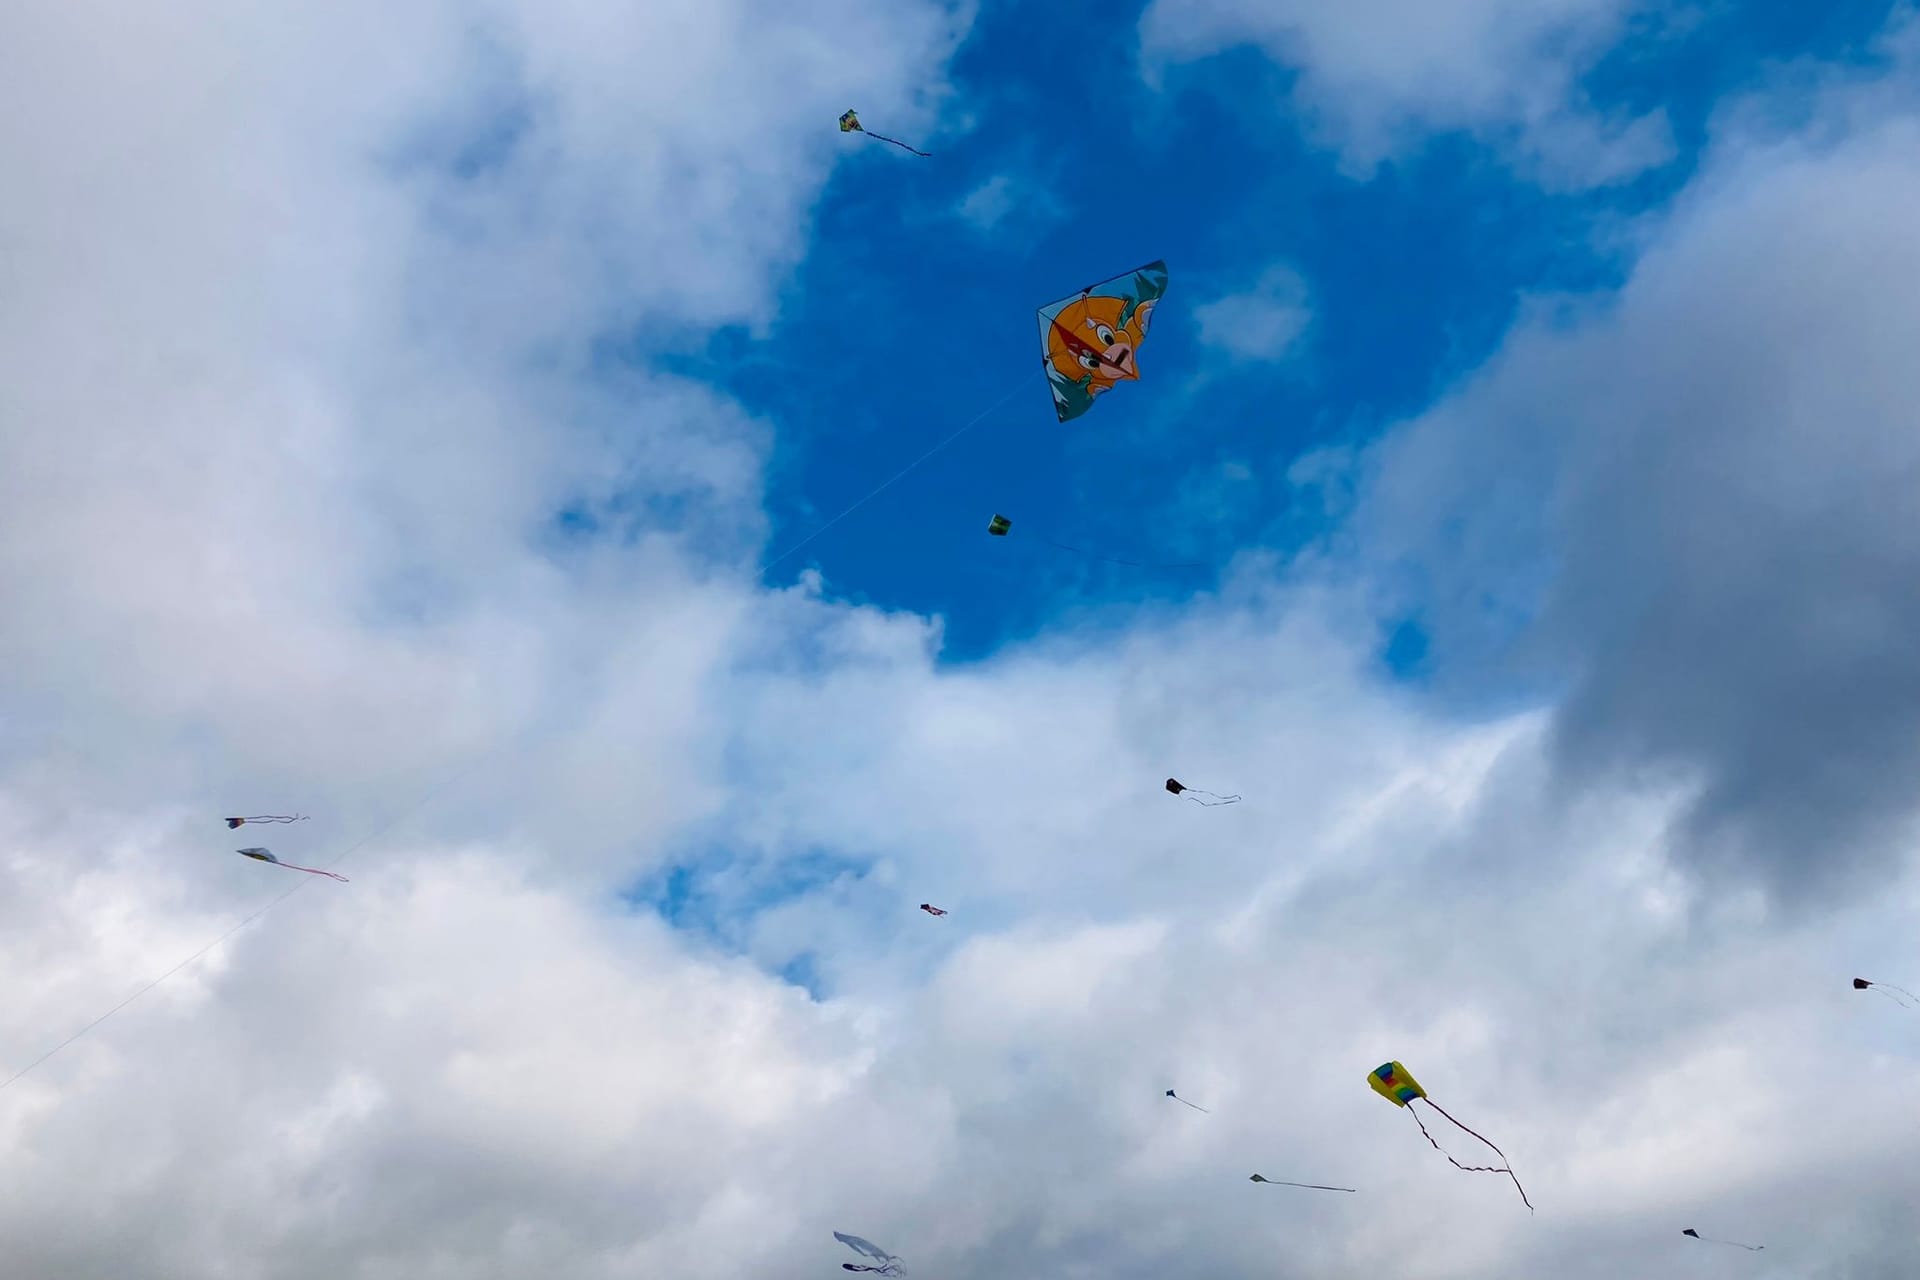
(1470,1168)
(1218,800)
(1310,1186)
(1888,989)
(315,871)
(1179,1099)
(1750,1248)
(1132,564)
(896,142)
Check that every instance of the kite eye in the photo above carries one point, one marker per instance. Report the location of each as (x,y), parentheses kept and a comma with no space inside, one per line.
(1104,334)
(1088,362)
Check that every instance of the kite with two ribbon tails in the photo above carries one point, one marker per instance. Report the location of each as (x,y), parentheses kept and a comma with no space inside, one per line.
(1176,787)
(889,1265)
(266,855)
(1899,995)
(1000,526)
(1090,341)
(850,123)
(1751,1248)
(1392,1081)
(1281,1182)
(234,824)
(1183,1102)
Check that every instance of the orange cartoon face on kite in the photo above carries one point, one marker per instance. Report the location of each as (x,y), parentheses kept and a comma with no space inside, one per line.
(1092,340)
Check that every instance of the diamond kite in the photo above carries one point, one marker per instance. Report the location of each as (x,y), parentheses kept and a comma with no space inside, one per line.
(1396,1084)
(1090,340)
(850,123)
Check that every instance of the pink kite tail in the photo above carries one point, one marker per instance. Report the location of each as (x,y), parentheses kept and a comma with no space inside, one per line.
(1470,1168)
(315,871)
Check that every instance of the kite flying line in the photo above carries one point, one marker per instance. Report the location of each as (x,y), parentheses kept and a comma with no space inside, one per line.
(971,423)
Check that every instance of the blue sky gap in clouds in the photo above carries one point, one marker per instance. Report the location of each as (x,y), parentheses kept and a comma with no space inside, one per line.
(909,314)
(913,309)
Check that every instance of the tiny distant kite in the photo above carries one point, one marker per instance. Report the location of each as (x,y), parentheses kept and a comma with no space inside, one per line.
(1393,1082)
(931,910)
(889,1265)
(1899,995)
(1000,525)
(1183,1102)
(234,824)
(266,855)
(1751,1248)
(1089,341)
(1177,788)
(850,123)
(1281,1182)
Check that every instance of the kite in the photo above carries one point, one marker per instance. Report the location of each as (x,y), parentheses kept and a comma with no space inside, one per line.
(1000,525)
(1090,341)
(931,910)
(1176,787)
(1183,1102)
(1904,998)
(1751,1248)
(266,855)
(234,824)
(889,1265)
(1393,1082)
(850,123)
(1281,1182)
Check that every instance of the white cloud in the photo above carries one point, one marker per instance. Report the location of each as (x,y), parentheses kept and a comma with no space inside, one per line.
(1377,75)
(989,202)
(1011,201)
(1261,324)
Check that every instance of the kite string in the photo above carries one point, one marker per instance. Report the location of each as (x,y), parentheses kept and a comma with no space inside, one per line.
(969,425)
(298,885)
(1506,1169)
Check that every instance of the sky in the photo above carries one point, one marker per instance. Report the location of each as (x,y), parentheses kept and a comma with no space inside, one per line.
(480,427)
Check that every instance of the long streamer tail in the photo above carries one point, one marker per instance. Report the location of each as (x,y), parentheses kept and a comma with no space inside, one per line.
(1750,1248)
(1184,1102)
(1506,1169)
(896,142)
(1310,1186)
(1218,800)
(314,871)
(1134,564)
(1902,990)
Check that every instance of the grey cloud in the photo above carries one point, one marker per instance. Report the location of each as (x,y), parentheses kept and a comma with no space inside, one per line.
(1694,507)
